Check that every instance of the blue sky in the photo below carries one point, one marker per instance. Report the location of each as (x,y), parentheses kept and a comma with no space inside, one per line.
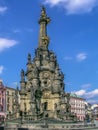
(73,34)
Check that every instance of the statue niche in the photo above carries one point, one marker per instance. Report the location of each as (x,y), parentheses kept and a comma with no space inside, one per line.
(38,95)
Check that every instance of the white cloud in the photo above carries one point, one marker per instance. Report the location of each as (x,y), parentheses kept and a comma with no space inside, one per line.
(74,6)
(1,69)
(54,2)
(22,30)
(81,56)
(87,95)
(3,9)
(80,92)
(92,94)
(6,43)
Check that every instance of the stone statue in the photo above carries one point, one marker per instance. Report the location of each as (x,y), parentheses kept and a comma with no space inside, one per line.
(29,58)
(52,56)
(68,105)
(64,99)
(57,72)
(35,71)
(43,11)
(38,101)
(62,75)
(32,94)
(22,75)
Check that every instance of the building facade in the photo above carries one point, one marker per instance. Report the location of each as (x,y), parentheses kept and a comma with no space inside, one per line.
(78,106)
(10,94)
(94,108)
(2,100)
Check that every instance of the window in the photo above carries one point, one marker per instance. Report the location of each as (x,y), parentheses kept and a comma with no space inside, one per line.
(7,107)
(2,93)
(7,92)
(0,83)
(8,100)
(45,105)
(2,100)
(12,93)
(1,108)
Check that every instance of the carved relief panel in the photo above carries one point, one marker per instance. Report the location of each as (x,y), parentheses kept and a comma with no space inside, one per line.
(45,79)
(56,85)
(46,94)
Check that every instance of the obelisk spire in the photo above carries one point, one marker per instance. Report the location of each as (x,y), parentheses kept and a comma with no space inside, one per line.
(43,21)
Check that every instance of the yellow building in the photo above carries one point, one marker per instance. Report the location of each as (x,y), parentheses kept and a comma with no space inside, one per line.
(10,94)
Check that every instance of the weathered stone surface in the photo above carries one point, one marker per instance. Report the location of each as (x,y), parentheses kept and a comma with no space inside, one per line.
(42,85)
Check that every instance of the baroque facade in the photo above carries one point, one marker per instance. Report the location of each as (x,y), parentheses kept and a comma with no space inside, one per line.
(95,111)
(11,95)
(42,92)
(78,106)
(7,101)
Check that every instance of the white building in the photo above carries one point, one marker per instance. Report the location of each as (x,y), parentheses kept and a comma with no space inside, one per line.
(78,106)
(94,108)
